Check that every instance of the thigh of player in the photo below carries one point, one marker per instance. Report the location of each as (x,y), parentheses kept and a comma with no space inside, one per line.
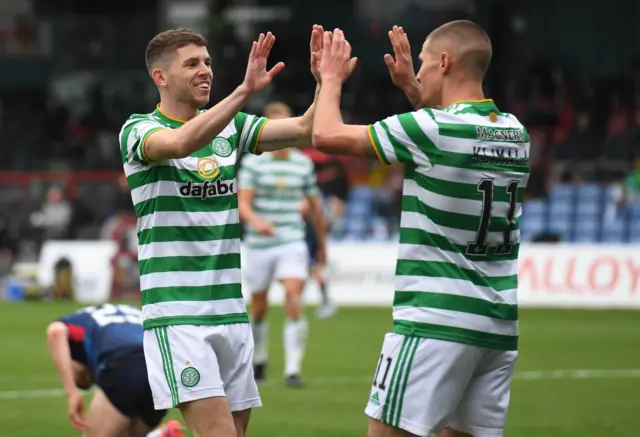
(483,409)
(292,262)
(186,363)
(419,382)
(259,268)
(125,384)
(104,419)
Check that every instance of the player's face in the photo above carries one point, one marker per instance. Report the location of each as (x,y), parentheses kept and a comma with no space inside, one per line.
(431,78)
(189,75)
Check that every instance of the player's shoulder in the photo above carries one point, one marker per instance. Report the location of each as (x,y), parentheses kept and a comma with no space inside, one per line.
(80,317)
(149,120)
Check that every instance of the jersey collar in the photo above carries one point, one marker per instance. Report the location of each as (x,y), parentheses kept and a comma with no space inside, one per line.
(173,122)
(482,106)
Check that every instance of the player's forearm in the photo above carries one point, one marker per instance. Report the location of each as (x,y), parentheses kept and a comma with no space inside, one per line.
(327,118)
(59,350)
(290,132)
(201,130)
(247,214)
(306,121)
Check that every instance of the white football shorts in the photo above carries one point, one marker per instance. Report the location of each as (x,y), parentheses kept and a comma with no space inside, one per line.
(288,261)
(422,385)
(190,362)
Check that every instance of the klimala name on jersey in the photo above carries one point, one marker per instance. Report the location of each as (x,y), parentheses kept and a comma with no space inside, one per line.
(207,189)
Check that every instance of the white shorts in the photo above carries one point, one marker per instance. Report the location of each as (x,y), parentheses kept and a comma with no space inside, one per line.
(422,385)
(289,261)
(190,362)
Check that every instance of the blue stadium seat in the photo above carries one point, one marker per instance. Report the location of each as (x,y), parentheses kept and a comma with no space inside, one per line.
(614,232)
(359,212)
(563,192)
(534,207)
(635,235)
(635,210)
(589,193)
(592,208)
(560,208)
(562,226)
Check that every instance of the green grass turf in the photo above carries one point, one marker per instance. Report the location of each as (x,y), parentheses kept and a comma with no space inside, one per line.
(339,366)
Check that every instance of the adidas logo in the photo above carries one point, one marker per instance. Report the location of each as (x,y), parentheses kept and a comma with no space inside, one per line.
(375,400)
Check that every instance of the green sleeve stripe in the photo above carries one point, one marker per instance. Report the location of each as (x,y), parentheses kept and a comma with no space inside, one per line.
(142,155)
(402,152)
(255,138)
(377,147)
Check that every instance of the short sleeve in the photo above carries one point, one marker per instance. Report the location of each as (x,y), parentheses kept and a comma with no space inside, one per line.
(133,136)
(406,138)
(249,128)
(246,174)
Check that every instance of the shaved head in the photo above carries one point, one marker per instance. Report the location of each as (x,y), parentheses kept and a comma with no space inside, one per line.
(467,43)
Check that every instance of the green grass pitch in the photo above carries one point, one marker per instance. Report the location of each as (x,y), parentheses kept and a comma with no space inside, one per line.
(339,366)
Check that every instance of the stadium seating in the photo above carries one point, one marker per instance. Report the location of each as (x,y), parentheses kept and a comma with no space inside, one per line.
(583,213)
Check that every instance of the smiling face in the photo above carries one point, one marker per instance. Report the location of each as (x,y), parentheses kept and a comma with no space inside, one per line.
(180,65)
(188,77)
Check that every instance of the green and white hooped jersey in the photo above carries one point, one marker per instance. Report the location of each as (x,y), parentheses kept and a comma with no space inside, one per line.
(188,223)
(466,169)
(279,186)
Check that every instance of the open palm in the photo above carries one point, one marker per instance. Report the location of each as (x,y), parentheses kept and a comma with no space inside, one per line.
(257,77)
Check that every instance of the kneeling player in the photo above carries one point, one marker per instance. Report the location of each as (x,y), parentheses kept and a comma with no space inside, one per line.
(272,187)
(103,345)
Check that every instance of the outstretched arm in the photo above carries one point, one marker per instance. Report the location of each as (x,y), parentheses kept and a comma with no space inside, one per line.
(57,341)
(330,134)
(288,132)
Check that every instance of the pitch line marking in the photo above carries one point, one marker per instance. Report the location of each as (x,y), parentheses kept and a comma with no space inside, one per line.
(526,375)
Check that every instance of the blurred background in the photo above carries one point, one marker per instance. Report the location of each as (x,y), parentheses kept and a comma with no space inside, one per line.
(72,71)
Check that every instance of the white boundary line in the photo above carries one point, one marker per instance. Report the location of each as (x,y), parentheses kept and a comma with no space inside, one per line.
(528,375)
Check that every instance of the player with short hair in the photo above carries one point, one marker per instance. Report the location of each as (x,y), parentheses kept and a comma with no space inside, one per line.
(447,366)
(180,162)
(102,345)
(271,190)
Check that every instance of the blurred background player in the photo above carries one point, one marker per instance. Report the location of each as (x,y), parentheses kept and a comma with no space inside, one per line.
(317,270)
(272,189)
(102,345)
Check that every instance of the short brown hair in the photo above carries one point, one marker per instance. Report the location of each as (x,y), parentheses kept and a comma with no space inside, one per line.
(170,40)
(471,42)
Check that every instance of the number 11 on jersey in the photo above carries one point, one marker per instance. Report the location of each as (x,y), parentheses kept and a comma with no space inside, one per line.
(480,246)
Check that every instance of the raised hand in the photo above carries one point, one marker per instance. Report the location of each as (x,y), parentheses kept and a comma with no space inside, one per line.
(337,62)
(315,47)
(401,69)
(257,77)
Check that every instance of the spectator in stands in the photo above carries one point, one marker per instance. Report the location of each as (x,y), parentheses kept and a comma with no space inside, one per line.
(624,193)
(53,218)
